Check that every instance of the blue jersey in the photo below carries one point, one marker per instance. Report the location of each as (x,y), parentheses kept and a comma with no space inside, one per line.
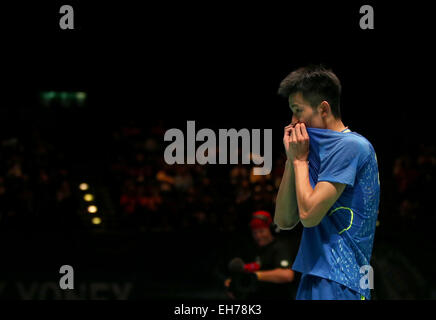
(342,242)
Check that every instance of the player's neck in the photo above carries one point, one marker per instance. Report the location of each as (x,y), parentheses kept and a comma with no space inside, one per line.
(335,125)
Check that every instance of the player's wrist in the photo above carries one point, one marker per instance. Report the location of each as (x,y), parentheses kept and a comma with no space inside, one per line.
(298,162)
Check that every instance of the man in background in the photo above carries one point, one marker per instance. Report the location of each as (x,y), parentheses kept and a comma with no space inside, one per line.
(270,275)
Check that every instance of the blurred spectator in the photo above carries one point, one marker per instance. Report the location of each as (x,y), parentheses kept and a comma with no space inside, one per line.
(270,275)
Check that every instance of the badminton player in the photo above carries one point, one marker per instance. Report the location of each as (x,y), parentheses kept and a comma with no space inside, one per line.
(330,184)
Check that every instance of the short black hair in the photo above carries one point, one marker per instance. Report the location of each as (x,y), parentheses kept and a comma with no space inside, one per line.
(316,83)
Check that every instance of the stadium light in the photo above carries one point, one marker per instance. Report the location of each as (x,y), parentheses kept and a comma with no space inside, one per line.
(88,197)
(83,186)
(96,220)
(48,95)
(92,209)
(80,96)
(64,95)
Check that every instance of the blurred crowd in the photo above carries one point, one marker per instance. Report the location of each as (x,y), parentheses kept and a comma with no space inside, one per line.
(36,191)
(413,176)
(39,184)
(154,195)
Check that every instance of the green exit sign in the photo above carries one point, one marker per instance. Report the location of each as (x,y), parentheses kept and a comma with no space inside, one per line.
(65,99)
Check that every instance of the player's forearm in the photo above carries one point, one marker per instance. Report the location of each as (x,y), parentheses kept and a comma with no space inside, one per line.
(277,275)
(286,210)
(303,191)
(313,204)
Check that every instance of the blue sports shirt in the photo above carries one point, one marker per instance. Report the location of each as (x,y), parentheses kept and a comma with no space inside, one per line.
(342,242)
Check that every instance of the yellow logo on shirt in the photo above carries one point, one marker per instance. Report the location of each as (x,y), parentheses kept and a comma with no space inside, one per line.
(351,219)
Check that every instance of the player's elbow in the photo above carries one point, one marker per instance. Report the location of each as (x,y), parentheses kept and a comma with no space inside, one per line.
(284,224)
(309,219)
(279,222)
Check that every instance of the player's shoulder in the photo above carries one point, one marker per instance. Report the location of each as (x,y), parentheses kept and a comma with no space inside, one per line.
(355,138)
(357,143)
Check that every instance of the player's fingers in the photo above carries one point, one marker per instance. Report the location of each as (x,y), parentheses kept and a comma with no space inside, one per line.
(287,130)
(287,137)
(289,127)
(298,133)
(304,131)
(293,136)
(286,140)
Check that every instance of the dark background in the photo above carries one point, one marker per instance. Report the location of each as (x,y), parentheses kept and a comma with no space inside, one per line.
(153,67)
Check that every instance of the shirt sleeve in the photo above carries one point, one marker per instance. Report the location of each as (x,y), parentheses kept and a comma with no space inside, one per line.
(340,164)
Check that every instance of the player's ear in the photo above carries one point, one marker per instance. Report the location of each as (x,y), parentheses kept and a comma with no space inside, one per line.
(324,109)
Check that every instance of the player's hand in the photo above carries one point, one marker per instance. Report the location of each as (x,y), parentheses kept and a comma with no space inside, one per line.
(299,143)
(287,141)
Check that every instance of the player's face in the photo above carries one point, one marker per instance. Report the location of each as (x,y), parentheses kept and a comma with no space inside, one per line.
(262,236)
(302,111)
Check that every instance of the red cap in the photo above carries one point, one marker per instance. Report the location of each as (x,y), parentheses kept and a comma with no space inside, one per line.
(260,219)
